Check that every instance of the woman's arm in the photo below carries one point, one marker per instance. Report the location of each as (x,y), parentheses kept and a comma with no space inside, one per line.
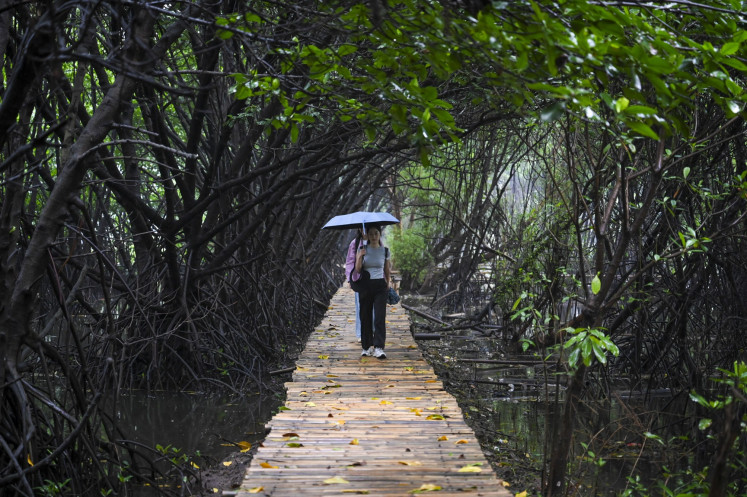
(350,259)
(387,272)
(359,259)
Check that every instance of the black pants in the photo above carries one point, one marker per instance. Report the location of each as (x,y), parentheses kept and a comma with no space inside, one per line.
(373,302)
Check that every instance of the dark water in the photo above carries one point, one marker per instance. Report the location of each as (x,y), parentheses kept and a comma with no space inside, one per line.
(512,408)
(195,423)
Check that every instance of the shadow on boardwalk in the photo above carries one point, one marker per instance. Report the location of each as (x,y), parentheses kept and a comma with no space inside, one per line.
(360,425)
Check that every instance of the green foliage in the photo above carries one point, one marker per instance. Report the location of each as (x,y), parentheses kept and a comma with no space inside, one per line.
(587,344)
(52,488)
(685,484)
(410,254)
(173,454)
(735,380)
(633,70)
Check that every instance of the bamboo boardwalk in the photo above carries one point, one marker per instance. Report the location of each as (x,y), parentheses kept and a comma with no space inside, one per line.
(361,425)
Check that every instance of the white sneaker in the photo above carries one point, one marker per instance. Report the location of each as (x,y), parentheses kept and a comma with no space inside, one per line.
(367,352)
(379,353)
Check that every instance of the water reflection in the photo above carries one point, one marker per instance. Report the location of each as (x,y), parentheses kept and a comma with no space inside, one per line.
(194,422)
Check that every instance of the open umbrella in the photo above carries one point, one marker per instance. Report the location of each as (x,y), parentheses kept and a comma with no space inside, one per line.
(359,220)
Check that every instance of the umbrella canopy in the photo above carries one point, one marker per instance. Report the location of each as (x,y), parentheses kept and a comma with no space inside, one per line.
(359,220)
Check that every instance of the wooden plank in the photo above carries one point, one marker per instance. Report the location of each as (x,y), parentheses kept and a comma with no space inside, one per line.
(360,425)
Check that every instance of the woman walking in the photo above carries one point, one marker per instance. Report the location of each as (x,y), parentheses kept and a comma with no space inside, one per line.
(373,258)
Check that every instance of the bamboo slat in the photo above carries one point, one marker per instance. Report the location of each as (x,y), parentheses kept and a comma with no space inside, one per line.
(360,425)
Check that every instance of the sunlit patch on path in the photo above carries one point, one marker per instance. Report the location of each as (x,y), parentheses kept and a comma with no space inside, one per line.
(360,425)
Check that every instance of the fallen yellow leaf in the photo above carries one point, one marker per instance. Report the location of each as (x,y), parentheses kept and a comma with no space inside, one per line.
(522,494)
(310,404)
(410,463)
(436,417)
(413,398)
(256,490)
(426,487)
(332,376)
(323,356)
(28,460)
(336,479)
(442,438)
(227,463)
(507,484)
(462,441)
(194,465)
(470,469)
(353,491)
(216,491)
(354,441)
(416,411)
(385,402)
(267,465)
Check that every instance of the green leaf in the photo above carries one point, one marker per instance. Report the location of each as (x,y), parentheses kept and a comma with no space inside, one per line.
(586,351)
(224,34)
(621,104)
(640,110)
(516,304)
(294,133)
(696,397)
(346,50)
(599,352)
(553,112)
(570,342)
(596,285)
(573,358)
(734,107)
(704,424)
(736,64)
(653,436)
(642,129)
(730,48)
